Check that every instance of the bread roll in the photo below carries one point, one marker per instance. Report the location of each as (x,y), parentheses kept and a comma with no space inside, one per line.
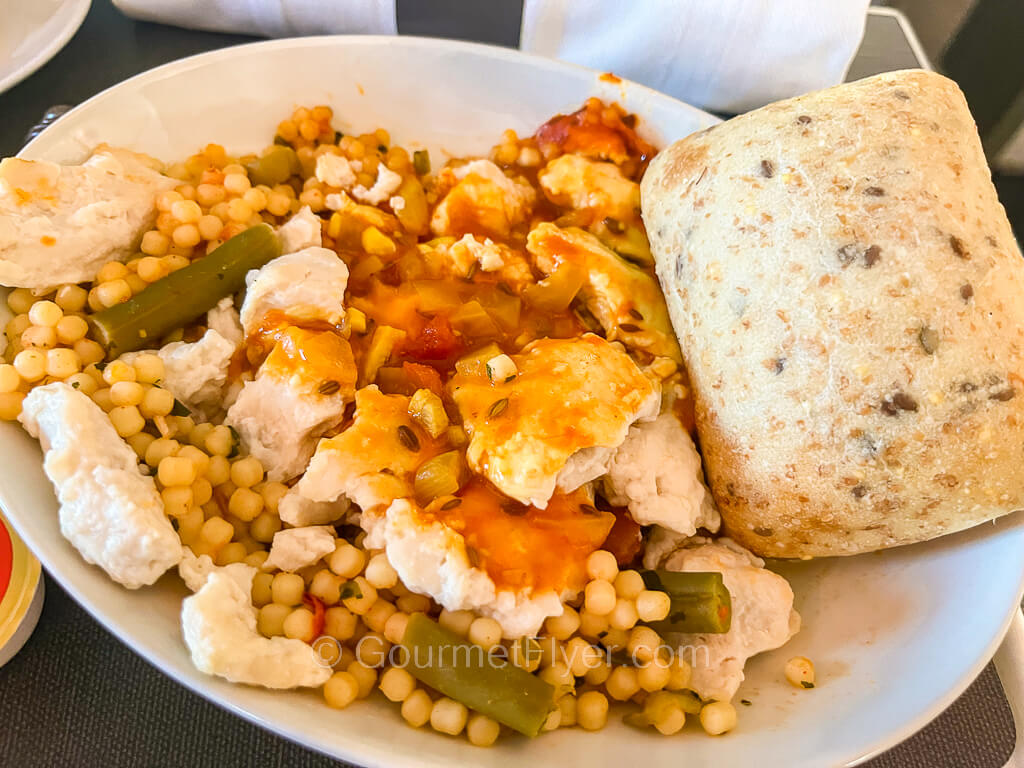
(850,302)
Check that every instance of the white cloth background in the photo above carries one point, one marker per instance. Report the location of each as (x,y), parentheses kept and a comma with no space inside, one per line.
(723,55)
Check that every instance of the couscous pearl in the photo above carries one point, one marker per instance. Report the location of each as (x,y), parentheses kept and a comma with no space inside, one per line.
(416,708)
(602,565)
(482,731)
(10,405)
(20,300)
(718,717)
(71,298)
(340,690)
(187,211)
(39,337)
(448,716)
(800,672)
(45,313)
(9,378)
(112,270)
(71,328)
(126,420)
(30,364)
(592,710)
(629,584)
(113,292)
(126,392)
(599,597)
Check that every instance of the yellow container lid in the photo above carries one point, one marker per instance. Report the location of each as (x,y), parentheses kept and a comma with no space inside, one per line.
(21,593)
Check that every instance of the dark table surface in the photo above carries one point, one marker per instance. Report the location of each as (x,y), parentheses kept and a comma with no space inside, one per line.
(75,696)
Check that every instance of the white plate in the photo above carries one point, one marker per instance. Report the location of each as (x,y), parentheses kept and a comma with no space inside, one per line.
(32,32)
(895,636)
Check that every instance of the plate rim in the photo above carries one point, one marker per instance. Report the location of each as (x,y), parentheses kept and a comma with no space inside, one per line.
(75,18)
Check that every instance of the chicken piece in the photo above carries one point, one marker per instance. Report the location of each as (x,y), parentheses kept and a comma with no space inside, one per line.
(195,372)
(363,215)
(519,438)
(483,201)
(295,548)
(305,285)
(572,181)
(298,511)
(301,389)
(299,393)
(470,253)
(386,184)
(762,615)
(335,171)
(301,231)
(194,571)
(625,299)
(656,473)
(60,224)
(370,463)
(109,510)
(496,564)
(223,319)
(219,625)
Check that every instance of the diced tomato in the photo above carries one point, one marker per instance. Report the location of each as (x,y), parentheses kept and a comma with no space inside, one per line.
(435,341)
(423,377)
(588,132)
(316,605)
(625,539)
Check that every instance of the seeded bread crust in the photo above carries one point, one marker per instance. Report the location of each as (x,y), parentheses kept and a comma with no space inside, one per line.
(849,298)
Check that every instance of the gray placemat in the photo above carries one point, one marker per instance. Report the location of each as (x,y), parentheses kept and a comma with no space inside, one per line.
(75,696)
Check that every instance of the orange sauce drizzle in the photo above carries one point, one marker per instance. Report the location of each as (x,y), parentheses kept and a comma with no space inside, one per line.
(521,546)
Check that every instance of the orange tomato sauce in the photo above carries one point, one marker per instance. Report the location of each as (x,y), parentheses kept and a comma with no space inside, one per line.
(313,350)
(522,546)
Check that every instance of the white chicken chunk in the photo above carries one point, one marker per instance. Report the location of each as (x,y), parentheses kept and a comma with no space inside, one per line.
(195,372)
(296,510)
(306,285)
(301,388)
(219,625)
(296,548)
(335,171)
(223,319)
(369,463)
(516,428)
(762,615)
(109,510)
(483,201)
(574,181)
(384,187)
(656,473)
(431,559)
(470,252)
(279,422)
(60,224)
(194,571)
(301,231)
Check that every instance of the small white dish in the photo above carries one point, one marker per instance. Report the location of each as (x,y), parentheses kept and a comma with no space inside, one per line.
(896,636)
(32,32)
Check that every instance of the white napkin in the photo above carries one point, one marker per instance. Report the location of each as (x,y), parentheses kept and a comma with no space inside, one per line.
(723,55)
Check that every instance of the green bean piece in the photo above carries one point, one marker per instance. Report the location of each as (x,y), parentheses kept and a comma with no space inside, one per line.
(421,161)
(182,296)
(274,167)
(700,601)
(485,682)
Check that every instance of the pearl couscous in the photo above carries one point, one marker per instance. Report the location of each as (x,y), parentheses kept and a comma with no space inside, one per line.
(400,422)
